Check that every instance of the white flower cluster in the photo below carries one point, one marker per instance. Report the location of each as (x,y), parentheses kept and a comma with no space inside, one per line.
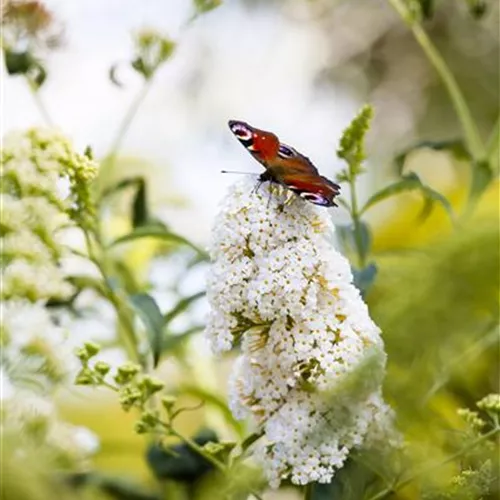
(35,359)
(35,424)
(43,181)
(36,165)
(312,360)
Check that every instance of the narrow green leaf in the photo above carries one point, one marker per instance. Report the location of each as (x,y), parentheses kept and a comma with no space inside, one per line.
(409,182)
(181,306)
(150,313)
(140,214)
(203,6)
(481,177)
(160,233)
(123,184)
(251,439)
(456,147)
(171,342)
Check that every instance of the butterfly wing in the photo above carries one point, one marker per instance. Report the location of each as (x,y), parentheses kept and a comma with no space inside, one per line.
(262,145)
(314,188)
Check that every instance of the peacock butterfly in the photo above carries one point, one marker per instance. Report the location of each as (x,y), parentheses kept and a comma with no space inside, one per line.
(285,165)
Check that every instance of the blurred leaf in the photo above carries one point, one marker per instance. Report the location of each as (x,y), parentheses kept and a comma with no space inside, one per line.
(181,306)
(481,177)
(409,182)
(140,214)
(203,6)
(23,63)
(456,147)
(82,282)
(158,233)
(18,63)
(37,76)
(123,184)
(117,488)
(365,277)
(351,482)
(141,67)
(250,440)
(152,317)
(477,8)
(113,77)
(347,235)
(427,8)
(180,462)
(171,342)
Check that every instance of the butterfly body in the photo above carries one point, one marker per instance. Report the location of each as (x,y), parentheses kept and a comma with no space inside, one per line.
(285,165)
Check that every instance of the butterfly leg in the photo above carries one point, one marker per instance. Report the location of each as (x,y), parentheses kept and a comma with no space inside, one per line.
(255,190)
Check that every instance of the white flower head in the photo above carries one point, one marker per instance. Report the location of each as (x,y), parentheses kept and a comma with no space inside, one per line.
(312,360)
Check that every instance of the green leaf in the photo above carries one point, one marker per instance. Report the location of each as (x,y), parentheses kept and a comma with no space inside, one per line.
(172,341)
(142,68)
(250,440)
(180,462)
(203,6)
(347,235)
(18,63)
(159,233)
(456,147)
(148,310)
(37,75)
(410,182)
(364,278)
(481,177)
(140,214)
(427,8)
(181,306)
(123,184)
(477,8)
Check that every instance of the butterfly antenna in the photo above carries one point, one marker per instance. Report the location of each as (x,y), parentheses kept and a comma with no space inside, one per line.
(236,172)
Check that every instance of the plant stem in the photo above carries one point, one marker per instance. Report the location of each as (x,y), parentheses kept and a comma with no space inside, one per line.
(309,491)
(41,106)
(200,451)
(493,146)
(391,489)
(128,118)
(358,239)
(127,331)
(473,139)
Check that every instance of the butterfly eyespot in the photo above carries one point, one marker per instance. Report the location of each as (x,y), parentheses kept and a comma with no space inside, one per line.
(285,151)
(240,130)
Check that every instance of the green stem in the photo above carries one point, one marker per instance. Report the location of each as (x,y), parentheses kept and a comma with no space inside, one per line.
(222,467)
(128,119)
(358,239)
(199,450)
(392,489)
(41,106)
(309,491)
(473,139)
(125,317)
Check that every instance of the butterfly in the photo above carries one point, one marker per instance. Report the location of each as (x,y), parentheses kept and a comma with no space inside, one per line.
(285,165)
